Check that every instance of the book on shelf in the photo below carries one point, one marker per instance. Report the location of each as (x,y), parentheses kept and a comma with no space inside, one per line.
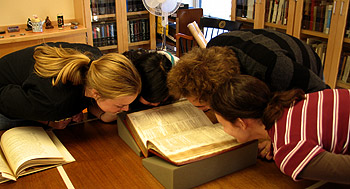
(250,9)
(280,12)
(274,11)
(306,15)
(328,17)
(179,133)
(26,150)
(346,71)
(271,3)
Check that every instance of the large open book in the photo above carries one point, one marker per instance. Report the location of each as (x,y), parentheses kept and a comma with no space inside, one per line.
(26,150)
(179,133)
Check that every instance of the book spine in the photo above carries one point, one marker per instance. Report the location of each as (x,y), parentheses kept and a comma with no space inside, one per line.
(328,19)
(346,70)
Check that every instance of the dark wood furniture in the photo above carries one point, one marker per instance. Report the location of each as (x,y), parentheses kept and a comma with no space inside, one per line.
(184,17)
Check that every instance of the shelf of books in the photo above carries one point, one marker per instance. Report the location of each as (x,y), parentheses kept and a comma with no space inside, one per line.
(128,27)
(241,12)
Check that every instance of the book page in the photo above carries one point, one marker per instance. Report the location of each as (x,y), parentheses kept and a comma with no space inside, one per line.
(67,158)
(21,144)
(6,172)
(194,144)
(167,120)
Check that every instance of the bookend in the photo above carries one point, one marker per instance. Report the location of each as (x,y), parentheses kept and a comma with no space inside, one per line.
(200,172)
(193,174)
(125,135)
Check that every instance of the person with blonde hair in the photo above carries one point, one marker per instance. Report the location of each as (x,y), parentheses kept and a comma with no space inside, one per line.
(52,83)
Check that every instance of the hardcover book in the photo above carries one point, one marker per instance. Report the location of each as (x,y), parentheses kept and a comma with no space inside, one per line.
(26,150)
(179,133)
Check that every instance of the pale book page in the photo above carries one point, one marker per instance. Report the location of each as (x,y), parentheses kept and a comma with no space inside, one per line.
(195,143)
(67,157)
(21,144)
(61,148)
(5,170)
(167,120)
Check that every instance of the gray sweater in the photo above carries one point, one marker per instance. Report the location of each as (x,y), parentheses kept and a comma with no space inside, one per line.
(283,62)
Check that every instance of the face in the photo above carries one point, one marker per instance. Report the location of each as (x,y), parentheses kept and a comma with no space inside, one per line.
(234,129)
(145,102)
(200,105)
(115,105)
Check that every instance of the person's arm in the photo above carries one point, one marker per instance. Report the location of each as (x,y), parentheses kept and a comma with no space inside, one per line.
(328,167)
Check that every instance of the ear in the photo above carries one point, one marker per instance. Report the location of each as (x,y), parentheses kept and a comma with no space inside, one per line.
(241,123)
(92,93)
(96,95)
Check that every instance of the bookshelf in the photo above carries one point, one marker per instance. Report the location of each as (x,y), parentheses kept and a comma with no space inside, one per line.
(300,20)
(109,25)
(14,41)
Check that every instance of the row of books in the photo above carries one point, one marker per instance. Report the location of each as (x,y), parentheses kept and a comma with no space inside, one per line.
(134,5)
(245,9)
(317,15)
(276,11)
(100,7)
(104,34)
(344,68)
(139,30)
(319,46)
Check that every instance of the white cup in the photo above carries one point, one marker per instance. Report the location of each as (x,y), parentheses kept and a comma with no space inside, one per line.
(37,26)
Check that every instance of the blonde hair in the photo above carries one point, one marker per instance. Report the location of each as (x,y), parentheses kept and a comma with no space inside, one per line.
(112,75)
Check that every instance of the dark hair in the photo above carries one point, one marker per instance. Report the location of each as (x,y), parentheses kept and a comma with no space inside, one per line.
(153,69)
(245,96)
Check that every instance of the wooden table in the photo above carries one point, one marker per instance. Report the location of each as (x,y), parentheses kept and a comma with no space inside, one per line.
(103,160)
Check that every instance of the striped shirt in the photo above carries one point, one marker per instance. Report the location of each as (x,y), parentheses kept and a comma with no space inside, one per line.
(282,61)
(314,125)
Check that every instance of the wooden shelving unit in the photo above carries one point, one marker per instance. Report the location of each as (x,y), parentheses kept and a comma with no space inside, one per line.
(335,38)
(121,18)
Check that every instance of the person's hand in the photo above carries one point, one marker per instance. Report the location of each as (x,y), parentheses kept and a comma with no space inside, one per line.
(211,115)
(108,117)
(264,147)
(59,124)
(78,118)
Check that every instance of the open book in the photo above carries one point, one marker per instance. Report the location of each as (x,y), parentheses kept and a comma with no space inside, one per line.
(26,150)
(179,133)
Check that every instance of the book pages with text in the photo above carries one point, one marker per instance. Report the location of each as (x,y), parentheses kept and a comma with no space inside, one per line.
(6,172)
(167,120)
(21,144)
(193,144)
(67,157)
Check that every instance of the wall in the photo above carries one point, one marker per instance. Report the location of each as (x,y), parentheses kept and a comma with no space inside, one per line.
(16,12)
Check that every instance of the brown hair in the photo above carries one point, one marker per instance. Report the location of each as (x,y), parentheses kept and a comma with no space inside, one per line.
(245,96)
(112,75)
(199,72)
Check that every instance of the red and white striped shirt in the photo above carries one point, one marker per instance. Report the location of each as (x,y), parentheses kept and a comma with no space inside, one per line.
(314,125)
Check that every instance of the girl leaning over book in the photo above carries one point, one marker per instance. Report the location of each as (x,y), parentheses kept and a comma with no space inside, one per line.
(153,67)
(310,133)
(52,83)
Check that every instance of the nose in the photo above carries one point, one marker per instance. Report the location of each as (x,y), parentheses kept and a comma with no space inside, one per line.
(154,104)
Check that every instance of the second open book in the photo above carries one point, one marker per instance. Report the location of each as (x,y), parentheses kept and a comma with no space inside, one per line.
(179,133)
(26,150)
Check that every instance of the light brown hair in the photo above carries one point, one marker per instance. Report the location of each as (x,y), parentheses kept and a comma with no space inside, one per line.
(199,72)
